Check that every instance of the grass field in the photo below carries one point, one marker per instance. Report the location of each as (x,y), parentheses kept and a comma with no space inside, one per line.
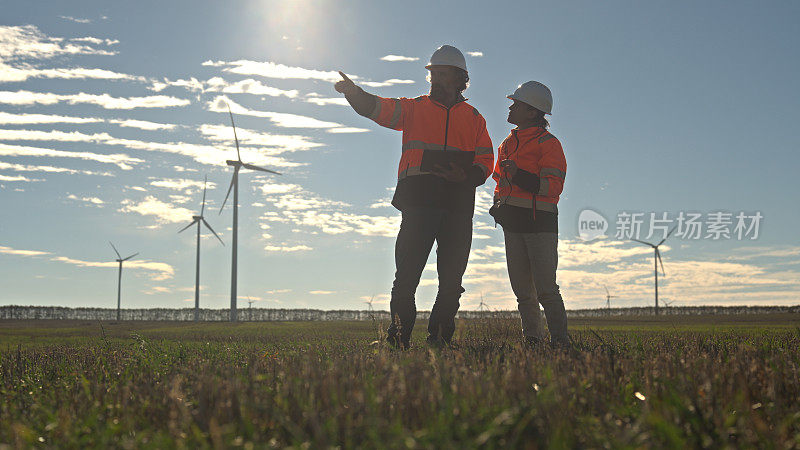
(672,382)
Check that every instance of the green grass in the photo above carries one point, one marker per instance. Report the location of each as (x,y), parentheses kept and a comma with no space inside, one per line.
(670,382)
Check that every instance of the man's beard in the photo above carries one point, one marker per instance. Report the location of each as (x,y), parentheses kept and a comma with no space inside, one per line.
(437,90)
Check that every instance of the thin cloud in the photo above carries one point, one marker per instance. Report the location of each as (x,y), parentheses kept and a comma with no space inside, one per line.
(765,252)
(394,58)
(50,169)
(305,209)
(24,72)
(164,213)
(218,84)
(285,120)
(143,124)
(20,119)
(390,82)
(319,292)
(27,98)
(17,252)
(272,144)
(181,184)
(27,42)
(96,41)
(162,271)
(17,178)
(120,160)
(574,253)
(192,84)
(204,154)
(287,248)
(91,200)
(475,54)
(75,19)
(347,130)
(322,101)
(248,86)
(272,70)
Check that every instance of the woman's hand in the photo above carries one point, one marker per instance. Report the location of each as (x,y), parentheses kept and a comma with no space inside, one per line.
(510,166)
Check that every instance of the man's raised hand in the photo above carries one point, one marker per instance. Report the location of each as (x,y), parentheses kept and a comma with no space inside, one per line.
(345,85)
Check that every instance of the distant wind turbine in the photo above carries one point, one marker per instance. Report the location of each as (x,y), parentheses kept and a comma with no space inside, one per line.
(120,260)
(483,306)
(199,220)
(237,164)
(657,260)
(369,303)
(608,299)
(250,302)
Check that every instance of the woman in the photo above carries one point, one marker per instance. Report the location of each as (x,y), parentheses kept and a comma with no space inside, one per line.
(530,173)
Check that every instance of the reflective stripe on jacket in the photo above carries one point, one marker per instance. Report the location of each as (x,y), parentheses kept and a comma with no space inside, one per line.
(430,126)
(536,151)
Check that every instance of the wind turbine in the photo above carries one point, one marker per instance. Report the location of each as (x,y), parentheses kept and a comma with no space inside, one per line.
(608,298)
(237,164)
(199,220)
(657,260)
(250,302)
(370,304)
(482,307)
(120,260)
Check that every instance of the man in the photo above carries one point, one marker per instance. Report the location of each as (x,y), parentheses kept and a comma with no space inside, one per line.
(530,176)
(446,154)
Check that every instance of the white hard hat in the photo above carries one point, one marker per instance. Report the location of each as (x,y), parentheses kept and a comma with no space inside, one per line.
(447,55)
(535,94)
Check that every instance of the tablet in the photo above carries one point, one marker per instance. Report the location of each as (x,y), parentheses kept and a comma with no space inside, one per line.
(433,158)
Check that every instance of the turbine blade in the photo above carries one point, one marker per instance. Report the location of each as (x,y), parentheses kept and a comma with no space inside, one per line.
(212,230)
(643,242)
(187,226)
(233,179)
(115,250)
(203,207)
(658,253)
(129,257)
(607,293)
(252,167)
(668,234)
(234,132)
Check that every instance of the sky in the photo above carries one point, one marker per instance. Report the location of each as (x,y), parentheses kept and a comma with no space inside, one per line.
(112,114)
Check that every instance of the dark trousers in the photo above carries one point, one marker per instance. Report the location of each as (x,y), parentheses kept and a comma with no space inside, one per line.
(419,228)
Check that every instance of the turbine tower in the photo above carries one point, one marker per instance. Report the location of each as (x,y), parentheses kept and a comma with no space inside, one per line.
(656,261)
(120,260)
(237,165)
(199,220)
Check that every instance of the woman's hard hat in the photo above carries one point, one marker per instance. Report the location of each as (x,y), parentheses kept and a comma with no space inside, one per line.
(535,94)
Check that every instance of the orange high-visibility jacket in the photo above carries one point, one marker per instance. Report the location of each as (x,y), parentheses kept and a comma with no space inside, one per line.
(430,126)
(537,151)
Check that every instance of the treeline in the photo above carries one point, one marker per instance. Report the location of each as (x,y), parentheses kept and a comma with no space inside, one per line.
(266,314)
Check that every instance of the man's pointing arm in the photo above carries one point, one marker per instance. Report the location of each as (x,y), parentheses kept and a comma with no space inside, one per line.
(361,101)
